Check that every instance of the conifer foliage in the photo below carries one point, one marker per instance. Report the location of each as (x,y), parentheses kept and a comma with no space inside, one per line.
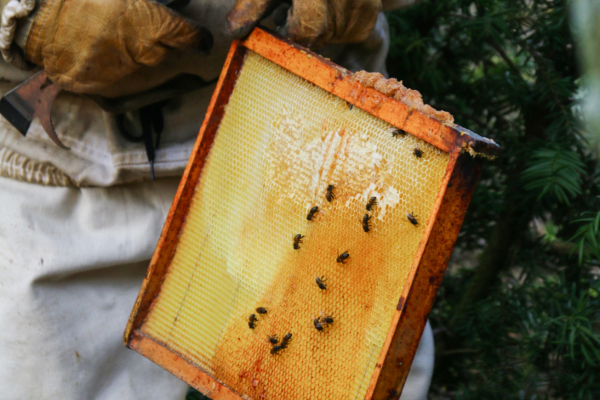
(517,316)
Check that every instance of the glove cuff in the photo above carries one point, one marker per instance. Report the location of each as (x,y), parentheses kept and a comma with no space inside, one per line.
(42,29)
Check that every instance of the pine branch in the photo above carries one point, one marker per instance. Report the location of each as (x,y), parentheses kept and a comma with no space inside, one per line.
(505,57)
(538,60)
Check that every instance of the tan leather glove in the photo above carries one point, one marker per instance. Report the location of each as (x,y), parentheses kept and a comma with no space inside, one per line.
(311,22)
(86,46)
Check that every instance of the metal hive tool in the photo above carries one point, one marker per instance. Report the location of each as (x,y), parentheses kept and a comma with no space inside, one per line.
(287,131)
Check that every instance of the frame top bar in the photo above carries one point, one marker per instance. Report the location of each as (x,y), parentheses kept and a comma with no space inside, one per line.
(340,82)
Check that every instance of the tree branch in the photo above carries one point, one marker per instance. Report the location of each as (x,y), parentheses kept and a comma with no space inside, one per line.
(505,57)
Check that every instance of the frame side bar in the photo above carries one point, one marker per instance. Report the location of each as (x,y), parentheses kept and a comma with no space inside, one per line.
(170,234)
(410,279)
(181,368)
(418,303)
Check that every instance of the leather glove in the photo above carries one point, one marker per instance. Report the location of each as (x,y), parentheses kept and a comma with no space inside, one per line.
(310,22)
(86,46)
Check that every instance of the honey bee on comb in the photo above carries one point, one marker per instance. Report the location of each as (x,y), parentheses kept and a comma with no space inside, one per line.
(371,203)
(412,218)
(325,318)
(321,282)
(297,240)
(252,321)
(330,196)
(261,310)
(286,340)
(343,257)
(397,132)
(273,339)
(318,324)
(276,349)
(418,152)
(365,222)
(322,322)
(312,213)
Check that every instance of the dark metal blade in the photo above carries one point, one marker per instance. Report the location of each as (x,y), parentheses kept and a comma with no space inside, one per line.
(16,111)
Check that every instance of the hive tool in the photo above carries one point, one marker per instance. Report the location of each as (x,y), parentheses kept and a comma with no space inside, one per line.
(33,98)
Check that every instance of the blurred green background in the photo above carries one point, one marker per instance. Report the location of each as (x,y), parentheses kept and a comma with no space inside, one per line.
(517,316)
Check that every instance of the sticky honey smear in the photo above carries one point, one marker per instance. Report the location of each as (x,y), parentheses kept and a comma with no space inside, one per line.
(282,142)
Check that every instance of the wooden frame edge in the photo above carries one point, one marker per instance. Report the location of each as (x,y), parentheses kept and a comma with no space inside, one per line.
(170,234)
(434,250)
(416,306)
(410,279)
(181,368)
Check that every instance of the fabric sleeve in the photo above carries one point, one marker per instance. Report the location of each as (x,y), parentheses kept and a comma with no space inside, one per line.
(15,23)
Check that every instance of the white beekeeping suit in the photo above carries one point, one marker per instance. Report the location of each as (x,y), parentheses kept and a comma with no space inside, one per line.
(78,227)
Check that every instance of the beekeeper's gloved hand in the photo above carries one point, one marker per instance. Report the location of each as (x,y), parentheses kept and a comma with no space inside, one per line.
(86,46)
(310,22)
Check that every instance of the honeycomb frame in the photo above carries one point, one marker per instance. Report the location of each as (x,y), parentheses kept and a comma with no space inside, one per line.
(440,231)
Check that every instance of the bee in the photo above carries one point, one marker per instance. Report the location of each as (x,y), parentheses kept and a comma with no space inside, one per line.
(330,196)
(418,152)
(321,282)
(350,106)
(276,349)
(412,218)
(312,213)
(286,340)
(297,241)
(273,339)
(252,321)
(261,310)
(318,324)
(366,219)
(343,257)
(327,319)
(398,132)
(371,203)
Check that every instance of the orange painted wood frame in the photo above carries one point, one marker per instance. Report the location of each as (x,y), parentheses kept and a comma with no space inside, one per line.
(434,250)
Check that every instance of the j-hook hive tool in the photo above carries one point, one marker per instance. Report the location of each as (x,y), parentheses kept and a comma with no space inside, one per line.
(33,98)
